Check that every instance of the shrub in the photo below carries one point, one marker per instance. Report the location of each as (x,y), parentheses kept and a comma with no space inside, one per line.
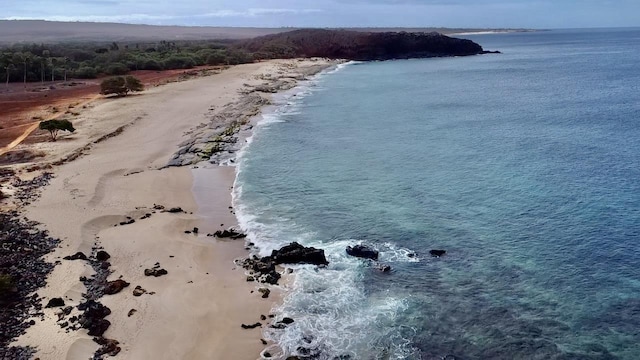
(120,85)
(86,72)
(178,62)
(54,126)
(151,65)
(117,69)
(216,58)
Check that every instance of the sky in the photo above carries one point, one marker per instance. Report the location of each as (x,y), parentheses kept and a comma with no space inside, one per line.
(336,13)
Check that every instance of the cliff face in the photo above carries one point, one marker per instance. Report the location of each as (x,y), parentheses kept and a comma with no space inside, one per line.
(353,45)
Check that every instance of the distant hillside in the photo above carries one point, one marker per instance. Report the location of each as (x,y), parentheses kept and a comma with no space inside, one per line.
(353,45)
(39,31)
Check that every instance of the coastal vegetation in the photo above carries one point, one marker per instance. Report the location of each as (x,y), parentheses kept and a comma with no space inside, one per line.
(60,61)
(54,126)
(120,85)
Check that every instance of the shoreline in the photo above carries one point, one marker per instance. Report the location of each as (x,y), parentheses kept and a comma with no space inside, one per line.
(198,306)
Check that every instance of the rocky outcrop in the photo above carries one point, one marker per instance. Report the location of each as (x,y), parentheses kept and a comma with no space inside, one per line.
(139,291)
(251,326)
(107,347)
(93,318)
(102,255)
(229,233)
(217,141)
(362,251)
(361,46)
(77,256)
(437,253)
(156,271)
(264,269)
(55,302)
(23,270)
(114,287)
(295,253)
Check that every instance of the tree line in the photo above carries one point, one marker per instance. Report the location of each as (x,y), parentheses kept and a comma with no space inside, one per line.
(49,62)
(34,62)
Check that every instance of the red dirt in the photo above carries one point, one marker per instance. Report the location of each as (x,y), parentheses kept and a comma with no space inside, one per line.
(21,107)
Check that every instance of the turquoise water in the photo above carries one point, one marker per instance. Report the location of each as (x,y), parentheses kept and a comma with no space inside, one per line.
(524,166)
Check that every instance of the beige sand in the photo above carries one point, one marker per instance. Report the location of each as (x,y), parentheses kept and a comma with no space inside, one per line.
(198,307)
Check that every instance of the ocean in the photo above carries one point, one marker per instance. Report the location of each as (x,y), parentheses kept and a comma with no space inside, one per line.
(524,166)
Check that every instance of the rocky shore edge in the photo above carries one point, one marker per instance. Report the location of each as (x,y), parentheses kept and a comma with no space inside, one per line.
(217,142)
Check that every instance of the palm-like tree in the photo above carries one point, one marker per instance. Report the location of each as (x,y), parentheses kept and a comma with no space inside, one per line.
(9,68)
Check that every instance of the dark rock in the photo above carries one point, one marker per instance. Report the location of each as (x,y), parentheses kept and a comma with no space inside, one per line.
(266,354)
(265,292)
(264,342)
(262,317)
(131,312)
(187,231)
(64,324)
(96,327)
(175,210)
(195,230)
(229,233)
(114,287)
(67,310)
(93,309)
(155,272)
(251,326)
(437,253)
(139,291)
(109,347)
(102,255)
(130,221)
(287,320)
(93,317)
(250,278)
(362,251)
(55,302)
(384,268)
(77,256)
(295,253)
(158,207)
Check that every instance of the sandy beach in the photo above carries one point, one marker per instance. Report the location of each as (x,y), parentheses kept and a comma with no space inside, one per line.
(195,311)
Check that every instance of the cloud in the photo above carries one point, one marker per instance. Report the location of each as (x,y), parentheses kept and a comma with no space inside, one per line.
(156,19)
(258,12)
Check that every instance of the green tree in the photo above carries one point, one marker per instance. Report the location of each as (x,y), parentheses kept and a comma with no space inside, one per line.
(85,72)
(117,69)
(9,68)
(54,126)
(120,85)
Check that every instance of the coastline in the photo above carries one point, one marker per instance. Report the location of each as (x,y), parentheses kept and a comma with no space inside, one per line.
(197,308)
